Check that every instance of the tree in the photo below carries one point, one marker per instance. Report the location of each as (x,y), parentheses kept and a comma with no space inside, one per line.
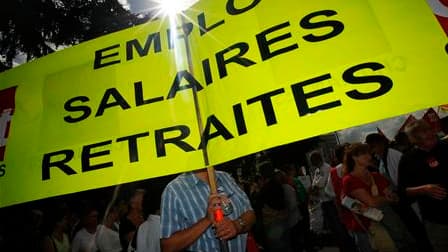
(36,27)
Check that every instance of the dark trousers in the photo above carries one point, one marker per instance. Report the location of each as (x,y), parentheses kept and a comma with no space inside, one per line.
(307,240)
(331,217)
(414,226)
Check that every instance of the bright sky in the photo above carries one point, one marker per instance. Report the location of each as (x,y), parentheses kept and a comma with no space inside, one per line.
(137,6)
(389,127)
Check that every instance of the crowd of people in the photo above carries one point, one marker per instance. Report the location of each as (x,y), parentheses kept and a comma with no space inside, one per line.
(373,196)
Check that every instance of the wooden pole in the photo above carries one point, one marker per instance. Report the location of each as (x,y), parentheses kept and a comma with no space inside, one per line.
(224,246)
(210,169)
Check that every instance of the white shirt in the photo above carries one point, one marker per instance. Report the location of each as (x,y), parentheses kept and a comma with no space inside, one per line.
(393,159)
(148,235)
(84,242)
(306,182)
(320,179)
(61,246)
(107,240)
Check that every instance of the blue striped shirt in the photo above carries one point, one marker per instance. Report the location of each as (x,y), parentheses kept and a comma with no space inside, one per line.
(185,201)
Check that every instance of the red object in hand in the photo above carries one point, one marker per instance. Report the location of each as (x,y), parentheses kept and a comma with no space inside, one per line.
(218,215)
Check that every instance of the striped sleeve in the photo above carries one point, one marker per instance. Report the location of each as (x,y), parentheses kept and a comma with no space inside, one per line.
(169,217)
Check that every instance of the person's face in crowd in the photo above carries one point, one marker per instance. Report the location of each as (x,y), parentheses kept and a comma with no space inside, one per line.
(63,223)
(91,220)
(137,200)
(363,159)
(114,214)
(377,148)
(294,172)
(426,139)
(316,161)
(291,171)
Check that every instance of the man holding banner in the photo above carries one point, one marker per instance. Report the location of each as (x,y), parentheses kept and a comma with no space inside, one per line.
(187,217)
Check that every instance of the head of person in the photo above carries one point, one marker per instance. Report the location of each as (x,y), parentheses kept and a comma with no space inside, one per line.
(402,138)
(56,219)
(421,134)
(112,214)
(266,170)
(316,159)
(357,155)
(280,176)
(258,179)
(89,217)
(136,200)
(339,152)
(377,143)
(289,169)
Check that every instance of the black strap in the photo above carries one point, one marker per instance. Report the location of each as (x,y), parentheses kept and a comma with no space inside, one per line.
(54,243)
(386,152)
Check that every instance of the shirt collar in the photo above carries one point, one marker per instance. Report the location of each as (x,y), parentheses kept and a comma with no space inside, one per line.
(192,179)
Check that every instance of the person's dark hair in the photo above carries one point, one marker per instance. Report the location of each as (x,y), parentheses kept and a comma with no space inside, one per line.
(376,138)
(316,158)
(53,215)
(267,170)
(402,138)
(354,150)
(287,167)
(339,152)
(151,202)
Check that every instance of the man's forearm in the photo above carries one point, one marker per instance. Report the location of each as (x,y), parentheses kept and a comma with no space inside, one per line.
(248,218)
(184,238)
(415,191)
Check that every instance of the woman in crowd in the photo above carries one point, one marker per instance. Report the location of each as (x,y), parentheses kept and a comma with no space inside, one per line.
(132,220)
(272,211)
(55,225)
(84,240)
(107,237)
(372,190)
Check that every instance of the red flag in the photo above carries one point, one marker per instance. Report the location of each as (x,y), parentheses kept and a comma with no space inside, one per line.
(409,120)
(440,9)
(7,105)
(432,118)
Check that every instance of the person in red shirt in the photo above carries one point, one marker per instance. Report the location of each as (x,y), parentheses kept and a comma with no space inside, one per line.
(370,188)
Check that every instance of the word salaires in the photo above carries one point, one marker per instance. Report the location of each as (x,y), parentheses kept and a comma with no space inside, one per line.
(215,128)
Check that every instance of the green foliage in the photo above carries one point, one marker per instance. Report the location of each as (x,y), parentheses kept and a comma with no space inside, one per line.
(34,27)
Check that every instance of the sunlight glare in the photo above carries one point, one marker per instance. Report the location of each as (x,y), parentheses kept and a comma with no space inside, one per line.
(173,7)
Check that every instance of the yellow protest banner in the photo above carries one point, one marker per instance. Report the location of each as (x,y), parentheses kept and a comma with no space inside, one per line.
(120,108)
(276,73)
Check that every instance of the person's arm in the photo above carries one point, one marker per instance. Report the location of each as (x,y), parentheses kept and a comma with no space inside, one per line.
(182,239)
(430,190)
(365,197)
(47,244)
(408,183)
(227,229)
(329,189)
